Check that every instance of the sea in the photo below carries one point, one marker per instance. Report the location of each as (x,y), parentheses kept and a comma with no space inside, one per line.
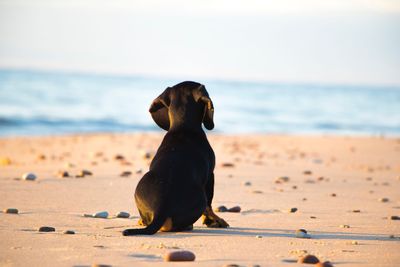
(36,103)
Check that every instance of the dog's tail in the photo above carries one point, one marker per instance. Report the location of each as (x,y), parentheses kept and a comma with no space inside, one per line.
(150,229)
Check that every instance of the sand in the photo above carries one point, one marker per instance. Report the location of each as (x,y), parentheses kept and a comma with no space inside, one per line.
(359,170)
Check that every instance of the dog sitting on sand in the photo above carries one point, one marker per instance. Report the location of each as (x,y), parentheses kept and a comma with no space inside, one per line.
(179,187)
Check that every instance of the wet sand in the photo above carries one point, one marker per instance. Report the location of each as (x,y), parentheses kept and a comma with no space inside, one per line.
(336,183)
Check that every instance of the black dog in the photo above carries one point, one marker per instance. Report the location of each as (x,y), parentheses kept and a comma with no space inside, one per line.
(179,187)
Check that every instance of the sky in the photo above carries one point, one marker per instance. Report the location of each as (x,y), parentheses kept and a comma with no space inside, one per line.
(310,41)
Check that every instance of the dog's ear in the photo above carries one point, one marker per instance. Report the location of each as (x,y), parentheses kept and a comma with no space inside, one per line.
(208,115)
(159,111)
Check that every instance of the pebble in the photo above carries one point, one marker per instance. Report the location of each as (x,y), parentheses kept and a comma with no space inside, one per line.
(41,157)
(333,195)
(29,176)
(181,255)
(101,214)
(221,209)
(257,192)
(47,229)
(126,174)
(356,211)
(311,259)
(139,171)
(119,157)
(394,217)
(100,265)
(68,232)
(282,179)
(11,211)
(307,172)
(293,210)
(384,199)
(344,226)
(354,242)
(228,164)
(62,174)
(324,264)
(247,183)
(86,172)
(301,233)
(147,155)
(235,209)
(258,236)
(231,265)
(123,214)
(5,161)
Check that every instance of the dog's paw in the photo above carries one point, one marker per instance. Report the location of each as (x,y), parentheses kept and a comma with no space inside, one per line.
(216,223)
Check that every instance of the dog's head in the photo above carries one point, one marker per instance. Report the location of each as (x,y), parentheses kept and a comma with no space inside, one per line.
(185,104)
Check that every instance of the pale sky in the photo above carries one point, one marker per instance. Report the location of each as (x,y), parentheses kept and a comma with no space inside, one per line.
(330,41)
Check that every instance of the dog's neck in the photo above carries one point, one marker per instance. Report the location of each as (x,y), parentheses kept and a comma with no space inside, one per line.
(179,120)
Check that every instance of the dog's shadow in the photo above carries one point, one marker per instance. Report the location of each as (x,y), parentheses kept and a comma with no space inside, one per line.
(284,233)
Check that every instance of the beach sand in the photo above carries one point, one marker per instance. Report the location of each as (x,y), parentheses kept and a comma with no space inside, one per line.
(336,184)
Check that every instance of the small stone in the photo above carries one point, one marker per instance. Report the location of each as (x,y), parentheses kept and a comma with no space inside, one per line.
(11,211)
(321,178)
(344,226)
(147,155)
(313,217)
(123,214)
(97,154)
(119,157)
(86,172)
(228,165)
(139,171)
(257,192)
(47,229)
(307,172)
(5,161)
(181,255)
(282,179)
(100,265)
(294,187)
(301,233)
(258,236)
(62,174)
(354,242)
(310,259)
(394,217)
(293,210)
(88,215)
(333,195)
(235,209)
(41,157)
(384,199)
(68,232)
(101,214)
(29,176)
(126,174)
(356,211)
(231,265)
(221,209)
(247,183)
(324,264)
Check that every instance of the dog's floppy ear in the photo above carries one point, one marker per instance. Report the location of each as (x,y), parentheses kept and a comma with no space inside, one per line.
(159,111)
(208,116)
